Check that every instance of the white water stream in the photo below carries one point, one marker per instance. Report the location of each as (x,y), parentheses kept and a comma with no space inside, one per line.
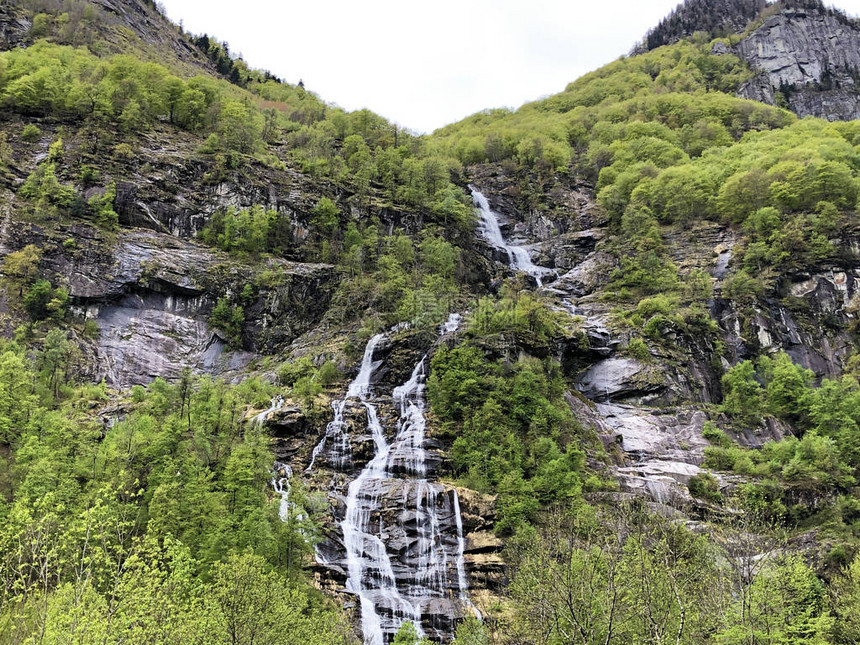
(340,453)
(518,256)
(402,534)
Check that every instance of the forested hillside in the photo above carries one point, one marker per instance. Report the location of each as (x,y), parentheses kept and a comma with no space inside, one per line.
(276,372)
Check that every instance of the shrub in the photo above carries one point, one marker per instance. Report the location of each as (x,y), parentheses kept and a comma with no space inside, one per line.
(31,133)
(716,436)
(743,394)
(637,348)
(705,486)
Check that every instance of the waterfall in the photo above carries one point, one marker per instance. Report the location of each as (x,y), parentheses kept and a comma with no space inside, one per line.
(402,534)
(451,325)
(276,404)
(281,475)
(518,256)
(461,559)
(340,453)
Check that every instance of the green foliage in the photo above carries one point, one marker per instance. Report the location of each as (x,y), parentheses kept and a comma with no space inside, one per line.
(518,315)
(785,386)
(742,288)
(230,319)
(392,279)
(630,98)
(44,301)
(31,133)
(715,436)
(408,635)
(305,380)
(472,631)
(157,528)
(785,604)
(515,434)
(705,486)
(21,268)
(637,348)
(325,215)
(743,397)
(102,208)
(243,232)
(645,266)
(642,580)
(845,591)
(43,186)
(795,478)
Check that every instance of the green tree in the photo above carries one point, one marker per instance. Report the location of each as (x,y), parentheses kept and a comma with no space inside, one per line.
(743,396)
(325,215)
(408,635)
(230,319)
(786,604)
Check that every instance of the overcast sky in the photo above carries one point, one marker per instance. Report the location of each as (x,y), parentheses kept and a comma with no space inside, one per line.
(427,64)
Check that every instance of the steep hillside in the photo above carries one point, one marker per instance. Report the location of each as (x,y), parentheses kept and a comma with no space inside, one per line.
(581,372)
(133,27)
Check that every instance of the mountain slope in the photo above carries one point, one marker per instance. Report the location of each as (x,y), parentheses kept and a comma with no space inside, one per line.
(134,27)
(600,348)
(808,61)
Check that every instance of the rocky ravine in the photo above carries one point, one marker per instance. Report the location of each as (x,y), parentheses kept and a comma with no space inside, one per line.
(650,412)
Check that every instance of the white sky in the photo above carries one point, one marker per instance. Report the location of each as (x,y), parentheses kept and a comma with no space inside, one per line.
(424,65)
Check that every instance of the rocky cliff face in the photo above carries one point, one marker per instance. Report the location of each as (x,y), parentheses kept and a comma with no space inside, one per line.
(808,60)
(151,295)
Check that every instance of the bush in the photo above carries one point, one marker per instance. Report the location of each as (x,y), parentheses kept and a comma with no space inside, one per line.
(290,373)
(42,301)
(637,348)
(705,486)
(31,133)
(743,394)
(327,374)
(716,436)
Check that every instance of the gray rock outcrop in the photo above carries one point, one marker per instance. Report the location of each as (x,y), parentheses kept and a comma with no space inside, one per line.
(808,60)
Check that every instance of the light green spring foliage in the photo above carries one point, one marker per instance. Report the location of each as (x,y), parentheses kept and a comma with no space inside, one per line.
(660,95)
(625,576)
(804,479)
(397,278)
(845,593)
(667,144)
(355,149)
(157,528)
(408,635)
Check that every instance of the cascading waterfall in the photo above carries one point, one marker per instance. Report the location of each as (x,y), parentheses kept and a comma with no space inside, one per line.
(407,564)
(276,404)
(340,453)
(281,475)
(518,256)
